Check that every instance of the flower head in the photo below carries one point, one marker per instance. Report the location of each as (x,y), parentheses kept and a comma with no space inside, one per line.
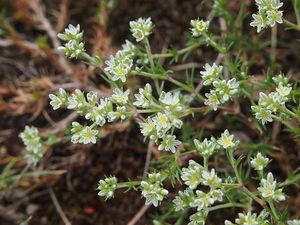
(192,175)
(107,187)
(211,73)
(199,27)
(141,28)
(169,143)
(120,97)
(227,140)
(259,162)
(268,189)
(34,147)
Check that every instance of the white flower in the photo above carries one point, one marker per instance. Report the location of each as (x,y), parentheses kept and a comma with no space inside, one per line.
(274,16)
(283,91)
(59,100)
(262,113)
(162,122)
(202,200)
(198,218)
(71,33)
(211,73)
(169,143)
(247,219)
(120,113)
(212,99)
(152,190)
(259,162)
(206,147)
(267,189)
(216,194)
(199,27)
(148,127)
(141,28)
(83,134)
(170,99)
(183,200)
(144,98)
(226,140)
(72,49)
(76,100)
(119,66)
(120,97)
(293,222)
(210,178)
(33,143)
(226,89)
(192,175)
(107,187)
(258,21)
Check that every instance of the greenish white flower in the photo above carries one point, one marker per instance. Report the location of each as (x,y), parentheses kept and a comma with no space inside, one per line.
(227,140)
(33,143)
(120,113)
(262,114)
(202,200)
(147,127)
(268,189)
(152,189)
(247,219)
(210,178)
(59,100)
(169,143)
(162,122)
(183,199)
(171,100)
(107,187)
(198,218)
(259,162)
(216,194)
(226,89)
(77,100)
(212,99)
(206,148)
(119,66)
(120,97)
(293,222)
(199,27)
(71,33)
(211,73)
(141,28)
(83,134)
(144,97)
(192,175)
(268,14)
(259,22)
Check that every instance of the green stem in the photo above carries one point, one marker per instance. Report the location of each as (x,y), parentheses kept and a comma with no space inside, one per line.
(226,205)
(179,52)
(291,25)
(272,207)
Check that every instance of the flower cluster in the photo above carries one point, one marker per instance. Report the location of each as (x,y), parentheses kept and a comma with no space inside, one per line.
(192,176)
(159,125)
(199,27)
(141,28)
(251,219)
(268,189)
(268,14)
(274,102)
(107,187)
(152,189)
(222,90)
(74,46)
(206,148)
(34,146)
(97,111)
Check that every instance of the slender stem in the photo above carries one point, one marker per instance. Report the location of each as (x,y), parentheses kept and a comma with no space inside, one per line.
(179,52)
(254,197)
(291,25)
(128,184)
(273,209)
(226,205)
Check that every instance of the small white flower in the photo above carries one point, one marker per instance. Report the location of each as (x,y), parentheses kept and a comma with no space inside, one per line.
(259,22)
(267,189)
(148,127)
(144,98)
(59,100)
(107,187)
(247,219)
(212,99)
(206,147)
(192,175)
(216,194)
(183,200)
(293,222)
(141,28)
(274,16)
(152,190)
(71,33)
(210,178)
(202,200)
(262,113)
(83,134)
(199,27)
(211,73)
(259,162)
(198,218)
(227,140)
(169,143)
(120,97)
(162,122)
(283,91)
